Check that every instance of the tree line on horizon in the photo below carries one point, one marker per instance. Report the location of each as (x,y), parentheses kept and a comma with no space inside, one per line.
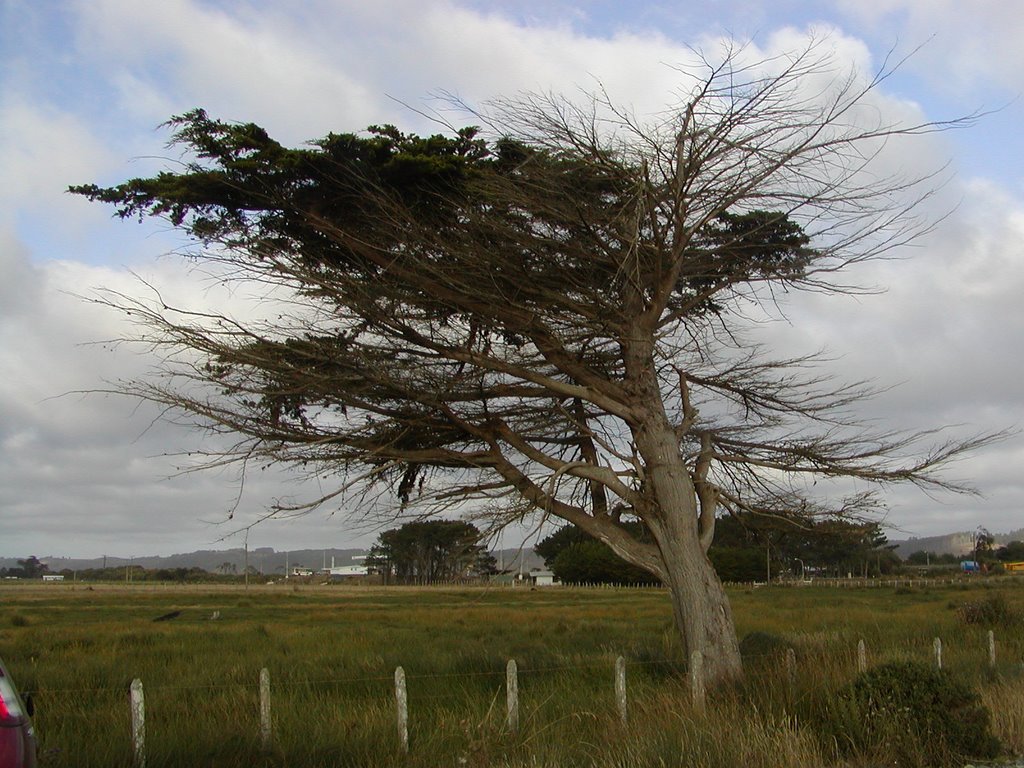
(744,550)
(750,549)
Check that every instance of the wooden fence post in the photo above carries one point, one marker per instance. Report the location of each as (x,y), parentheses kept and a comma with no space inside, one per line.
(862,656)
(402,705)
(991,649)
(791,673)
(512,695)
(937,646)
(138,723)
(265,730)
(697,679)
(620,688)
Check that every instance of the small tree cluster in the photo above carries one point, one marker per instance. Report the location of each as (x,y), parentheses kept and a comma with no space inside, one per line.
(29,568)
(576,558)
(429,552)
(1011,552)
(745,545)
(922,557)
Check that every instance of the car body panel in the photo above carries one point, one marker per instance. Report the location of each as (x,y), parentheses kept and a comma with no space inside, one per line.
(17,736)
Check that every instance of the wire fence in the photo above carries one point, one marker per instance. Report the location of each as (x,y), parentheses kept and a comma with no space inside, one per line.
(396,687)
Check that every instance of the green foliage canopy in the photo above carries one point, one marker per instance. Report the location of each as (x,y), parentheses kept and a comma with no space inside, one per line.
(430,551)
(577,558)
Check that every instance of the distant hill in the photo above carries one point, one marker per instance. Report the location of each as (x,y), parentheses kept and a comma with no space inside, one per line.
(959,543)
(266,560)
(270,562)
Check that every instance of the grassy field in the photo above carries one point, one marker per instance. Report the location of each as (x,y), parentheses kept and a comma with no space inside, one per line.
(332,651)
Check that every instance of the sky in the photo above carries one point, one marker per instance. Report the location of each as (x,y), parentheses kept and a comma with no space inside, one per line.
(85,86)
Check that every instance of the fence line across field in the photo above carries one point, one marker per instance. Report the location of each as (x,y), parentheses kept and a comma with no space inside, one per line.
(367,678)
(695,680)
(301,585)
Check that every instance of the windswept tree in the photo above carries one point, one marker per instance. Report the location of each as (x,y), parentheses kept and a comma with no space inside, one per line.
(545,314)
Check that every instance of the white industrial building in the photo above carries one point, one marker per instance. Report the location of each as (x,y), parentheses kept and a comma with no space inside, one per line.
(345,571)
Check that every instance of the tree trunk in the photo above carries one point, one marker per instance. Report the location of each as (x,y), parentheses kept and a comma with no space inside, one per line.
(699,603)
(701,609)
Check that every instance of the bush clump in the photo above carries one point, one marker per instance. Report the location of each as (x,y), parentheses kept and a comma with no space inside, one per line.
(762,646)
(913,714)
(994,610)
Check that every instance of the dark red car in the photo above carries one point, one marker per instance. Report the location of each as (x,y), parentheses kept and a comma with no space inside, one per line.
(17,737)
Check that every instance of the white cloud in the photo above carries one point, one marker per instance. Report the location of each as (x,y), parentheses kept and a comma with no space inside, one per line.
(963,44)
(45,150)
(103,461)
(172,56)
(944,336)
(947,327)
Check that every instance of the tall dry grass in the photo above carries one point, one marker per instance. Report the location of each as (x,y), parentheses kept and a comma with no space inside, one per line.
(332,651)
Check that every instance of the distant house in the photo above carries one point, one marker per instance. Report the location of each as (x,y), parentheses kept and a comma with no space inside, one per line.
(339,572)
(542,578)
(534,578)
(345,571)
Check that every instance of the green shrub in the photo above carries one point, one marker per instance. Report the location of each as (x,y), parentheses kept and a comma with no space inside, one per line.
(994,610)
(910,713)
